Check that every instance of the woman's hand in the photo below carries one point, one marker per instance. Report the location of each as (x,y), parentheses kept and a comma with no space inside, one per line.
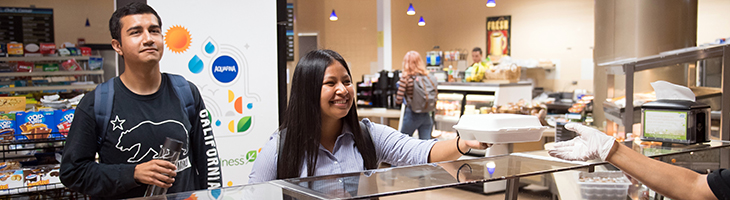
(476,144)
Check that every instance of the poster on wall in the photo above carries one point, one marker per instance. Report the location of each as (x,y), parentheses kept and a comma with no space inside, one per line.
(228,50)
(498,37)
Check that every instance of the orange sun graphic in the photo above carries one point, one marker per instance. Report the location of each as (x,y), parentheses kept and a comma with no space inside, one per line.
(178,39)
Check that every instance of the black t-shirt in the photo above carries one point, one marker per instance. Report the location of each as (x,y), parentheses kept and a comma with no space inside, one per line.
(138,127)
(719,182)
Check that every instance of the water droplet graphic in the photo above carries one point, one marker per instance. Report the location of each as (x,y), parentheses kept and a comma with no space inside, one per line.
(217,122)
(209,48)
(249,106)
(195,65)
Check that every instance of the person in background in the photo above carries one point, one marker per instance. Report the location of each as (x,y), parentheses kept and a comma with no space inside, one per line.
(412,121)
(475,73)
(145,110)
(671,181)
(322,123)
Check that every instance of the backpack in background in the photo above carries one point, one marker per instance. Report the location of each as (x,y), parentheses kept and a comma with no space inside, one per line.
(424,95)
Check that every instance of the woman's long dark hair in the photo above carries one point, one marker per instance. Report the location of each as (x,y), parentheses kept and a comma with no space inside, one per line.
(303,122)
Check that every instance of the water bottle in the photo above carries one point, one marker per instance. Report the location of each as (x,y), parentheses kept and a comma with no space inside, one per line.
(170,152)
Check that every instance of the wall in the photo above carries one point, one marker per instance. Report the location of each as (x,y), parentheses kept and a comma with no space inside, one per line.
(712,18)
(354,35)
(561,29)
(70,16)
(541,30)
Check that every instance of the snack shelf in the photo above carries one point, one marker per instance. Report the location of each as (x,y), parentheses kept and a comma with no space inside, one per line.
(56,73)
(40,88)
(44,58)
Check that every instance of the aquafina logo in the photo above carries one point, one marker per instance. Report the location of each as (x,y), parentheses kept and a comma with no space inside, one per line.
(35,118)
(6,124)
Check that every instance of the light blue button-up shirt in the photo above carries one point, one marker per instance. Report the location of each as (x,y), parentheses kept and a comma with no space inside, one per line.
(391,146)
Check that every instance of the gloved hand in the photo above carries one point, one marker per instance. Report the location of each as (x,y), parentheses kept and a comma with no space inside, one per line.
(589,144)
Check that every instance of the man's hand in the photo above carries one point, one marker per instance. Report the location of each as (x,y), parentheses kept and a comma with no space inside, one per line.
(589,144)
(155,172)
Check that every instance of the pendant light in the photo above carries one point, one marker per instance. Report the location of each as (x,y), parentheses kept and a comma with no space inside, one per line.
(491,3)
(411,11)
(333,16)
(421,22)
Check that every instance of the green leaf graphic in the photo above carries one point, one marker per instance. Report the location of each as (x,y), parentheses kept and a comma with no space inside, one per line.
(251,156)
(244,124)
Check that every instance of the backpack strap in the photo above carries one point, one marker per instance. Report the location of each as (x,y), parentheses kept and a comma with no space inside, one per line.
(183,92)
(103,101)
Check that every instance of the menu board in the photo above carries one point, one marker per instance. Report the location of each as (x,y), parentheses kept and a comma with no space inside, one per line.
(26,25)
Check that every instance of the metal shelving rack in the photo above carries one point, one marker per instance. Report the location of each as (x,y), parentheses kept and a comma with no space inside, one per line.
(99,73)
(631,66)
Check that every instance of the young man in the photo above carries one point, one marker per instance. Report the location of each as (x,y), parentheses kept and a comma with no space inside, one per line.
(475,73)
(145,110)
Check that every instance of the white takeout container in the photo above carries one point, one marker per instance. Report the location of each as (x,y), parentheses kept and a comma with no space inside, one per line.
(500,128)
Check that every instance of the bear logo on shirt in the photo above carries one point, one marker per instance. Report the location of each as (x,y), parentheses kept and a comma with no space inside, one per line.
(143,149)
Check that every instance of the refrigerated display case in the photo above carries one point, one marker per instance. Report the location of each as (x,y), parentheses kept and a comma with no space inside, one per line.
(457,99)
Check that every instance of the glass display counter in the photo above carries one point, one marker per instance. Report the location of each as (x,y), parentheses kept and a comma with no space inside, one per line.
(517,169)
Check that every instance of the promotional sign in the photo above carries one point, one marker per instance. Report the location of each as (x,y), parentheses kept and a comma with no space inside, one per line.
(498,36)
(228,50)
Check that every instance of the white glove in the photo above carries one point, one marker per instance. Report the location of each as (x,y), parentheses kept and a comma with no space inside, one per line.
(588,145)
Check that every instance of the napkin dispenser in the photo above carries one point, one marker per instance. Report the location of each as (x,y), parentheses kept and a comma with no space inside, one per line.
(675,121)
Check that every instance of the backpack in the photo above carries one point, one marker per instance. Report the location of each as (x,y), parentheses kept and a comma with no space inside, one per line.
(104,99)
(365,135)
(424,95)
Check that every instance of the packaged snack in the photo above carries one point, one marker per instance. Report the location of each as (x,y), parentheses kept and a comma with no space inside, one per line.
(3,50)
(48,48)
(73,51)
(85,51)
(64,52)
(7,67)
(39,66)
(9,165)
(11,179)
(51,67)
(7,129)
(11,104)
(71,65)
(96,63)
(15,49)
(32,50)
(36,177)
(64,118)
(24,66)
(35,125)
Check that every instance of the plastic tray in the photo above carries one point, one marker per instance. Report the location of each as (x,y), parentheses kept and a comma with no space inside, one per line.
(500,128)
(604,190)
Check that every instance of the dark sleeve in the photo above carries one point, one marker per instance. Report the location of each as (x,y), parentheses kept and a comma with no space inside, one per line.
(205,154)
(719,182)
(79,171)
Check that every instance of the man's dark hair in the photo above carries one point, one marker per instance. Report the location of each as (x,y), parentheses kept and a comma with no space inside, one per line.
(134,8)
(477,49)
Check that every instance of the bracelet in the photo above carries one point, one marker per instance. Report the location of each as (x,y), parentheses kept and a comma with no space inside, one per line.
(457,146)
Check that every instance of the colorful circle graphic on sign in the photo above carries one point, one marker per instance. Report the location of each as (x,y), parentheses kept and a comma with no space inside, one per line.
(225,69)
